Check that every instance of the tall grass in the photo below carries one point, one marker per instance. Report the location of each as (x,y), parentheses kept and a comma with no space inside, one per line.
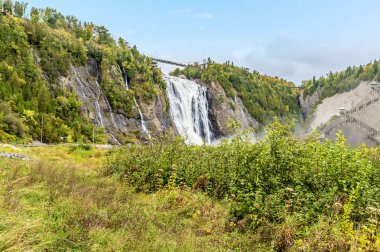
(65,205)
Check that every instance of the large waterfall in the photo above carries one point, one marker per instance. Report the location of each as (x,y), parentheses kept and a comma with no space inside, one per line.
(189,109)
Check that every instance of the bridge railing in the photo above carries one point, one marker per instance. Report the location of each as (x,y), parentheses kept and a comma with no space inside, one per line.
(175,63)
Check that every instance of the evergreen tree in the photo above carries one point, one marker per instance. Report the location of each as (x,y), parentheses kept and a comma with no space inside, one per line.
(360,70)
(375,67)
(34,15)
(43,99)
(8,6)
(19,8)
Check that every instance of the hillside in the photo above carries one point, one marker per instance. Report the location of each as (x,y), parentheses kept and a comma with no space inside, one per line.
(64,76)
(64,80)
(340,82)
(208,158)
(346,101)
(265,97)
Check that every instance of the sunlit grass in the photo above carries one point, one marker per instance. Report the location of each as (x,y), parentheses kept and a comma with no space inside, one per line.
(58,202)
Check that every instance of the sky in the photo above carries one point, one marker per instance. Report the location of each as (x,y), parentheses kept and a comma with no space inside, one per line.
(292,39)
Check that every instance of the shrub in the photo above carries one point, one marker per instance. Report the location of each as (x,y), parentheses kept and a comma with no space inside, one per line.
(264,182)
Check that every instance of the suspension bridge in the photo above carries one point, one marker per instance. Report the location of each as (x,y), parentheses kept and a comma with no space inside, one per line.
(176,63)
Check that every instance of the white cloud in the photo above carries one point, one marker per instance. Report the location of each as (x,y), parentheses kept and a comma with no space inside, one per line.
(297,58)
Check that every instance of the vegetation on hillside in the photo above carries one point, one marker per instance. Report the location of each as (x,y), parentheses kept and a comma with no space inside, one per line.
(298,195)
(265,97)
(342,81)
(36,51)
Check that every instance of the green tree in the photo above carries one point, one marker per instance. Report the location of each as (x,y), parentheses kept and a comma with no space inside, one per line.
(34,15)
(375,67)
(43,99)
(104,37)
(19,8)
(89,31)
(122,43)
(52,17)
(8,6)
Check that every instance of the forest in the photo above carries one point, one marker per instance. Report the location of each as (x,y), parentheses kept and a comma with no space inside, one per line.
(38,48)
(342,81)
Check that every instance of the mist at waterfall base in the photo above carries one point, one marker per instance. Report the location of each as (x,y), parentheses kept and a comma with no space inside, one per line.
(189,110)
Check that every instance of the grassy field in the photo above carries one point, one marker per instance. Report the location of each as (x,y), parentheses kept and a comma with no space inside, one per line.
(58,202)
(280,194)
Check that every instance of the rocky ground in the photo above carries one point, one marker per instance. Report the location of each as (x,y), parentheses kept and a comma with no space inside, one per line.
(355,113)
(14,155)
(330,106)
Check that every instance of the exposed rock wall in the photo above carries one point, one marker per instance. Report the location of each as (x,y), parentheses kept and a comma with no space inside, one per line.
(355,113)
(85,81)
(307,103)
(95,106)
(223,109)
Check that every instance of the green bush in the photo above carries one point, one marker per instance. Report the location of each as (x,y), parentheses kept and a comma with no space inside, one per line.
(264,182)
(81,146)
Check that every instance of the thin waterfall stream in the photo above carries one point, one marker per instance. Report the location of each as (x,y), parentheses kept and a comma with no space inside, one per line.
(143,123)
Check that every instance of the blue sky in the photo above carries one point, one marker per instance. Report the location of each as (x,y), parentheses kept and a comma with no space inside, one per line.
(293,39)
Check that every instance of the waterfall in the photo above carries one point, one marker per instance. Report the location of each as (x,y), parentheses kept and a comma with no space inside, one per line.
(97,105)
(143,123)
(189,110)
(80,82)
(99,112)
(98,109)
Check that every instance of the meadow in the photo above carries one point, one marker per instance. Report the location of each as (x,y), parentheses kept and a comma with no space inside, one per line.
(280,194)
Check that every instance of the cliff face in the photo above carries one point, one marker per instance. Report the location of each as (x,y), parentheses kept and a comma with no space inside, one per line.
(117,124)
(355,113)
(307,103)
(122,127)
(224,110)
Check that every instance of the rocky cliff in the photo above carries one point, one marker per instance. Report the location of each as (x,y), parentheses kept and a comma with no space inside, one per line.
(355,113)
(307,103)
(122,127)
(225,110)
(119,125)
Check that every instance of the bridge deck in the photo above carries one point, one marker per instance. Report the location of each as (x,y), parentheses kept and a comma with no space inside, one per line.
(170,62)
